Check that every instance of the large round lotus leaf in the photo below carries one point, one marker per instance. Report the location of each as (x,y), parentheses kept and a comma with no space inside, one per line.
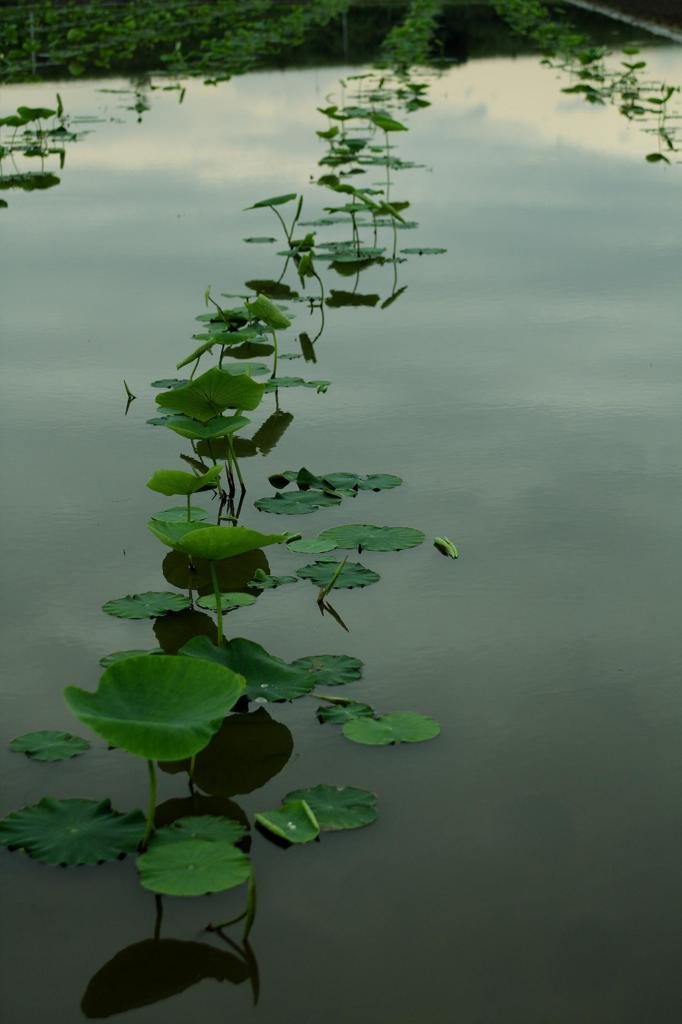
(262,308)
(338,714)
(267,677)
(178,514)
(171,534)
(297,502)
(217,542)
(227,601)
(161,708)
(147,605)
(352,575)
(374,538)
(192,867)
(397,727)
(219,426)
(331,669)
(72,831)
(210,394)
(49,746)
(246,752)
(293,821)
(111,659)
(175,481)
(203,826)
(338,807)
(156,969)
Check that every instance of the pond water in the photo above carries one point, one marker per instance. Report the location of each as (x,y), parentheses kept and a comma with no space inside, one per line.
(526,386)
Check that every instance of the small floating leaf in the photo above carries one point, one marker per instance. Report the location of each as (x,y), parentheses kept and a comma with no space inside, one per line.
(49,746)
(297,503)
(374,538)
(262,581)
(111,659)
(192,867)
(352,575)
(147,605)
(72,831)
(294,822)
(337,807)
(210,827)
(227,601)
(311,545)
(161,708)
(425,251)
(178,514)
(446,547)
(338,714)
(331,669)
(397,727)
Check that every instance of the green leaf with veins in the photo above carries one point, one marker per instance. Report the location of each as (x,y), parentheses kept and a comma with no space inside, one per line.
(47,745)
(339,714)
(178,514)
(219,426)
(72,831)
(267,677)
(331,669)
(297,502)
(373,538)
(148,605)
(217,542)
(227,601)
(397,727)
(337,807)
(192,867)
(293,821)
(175,481)
(209,395)
(352,575)
(209,827)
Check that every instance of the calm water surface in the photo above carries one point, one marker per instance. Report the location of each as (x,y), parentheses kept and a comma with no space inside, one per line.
(525,868)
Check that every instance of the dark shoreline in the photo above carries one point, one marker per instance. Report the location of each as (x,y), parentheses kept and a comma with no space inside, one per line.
(666,13)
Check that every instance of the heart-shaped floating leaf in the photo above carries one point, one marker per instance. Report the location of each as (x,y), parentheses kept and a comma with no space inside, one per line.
(262,308)
(146,606)
(373,538)
(209,395)
(217,542)
(227,601)
(293,821)
(172,534)
(247,751)
(297,502)
(178,514)
(398,727)
(192,867)
(267,677)
(174,481)
(111,659)
(49,746)
(163,708)
(219,426)
(72,831)
(338,807)
(209,827)
(338,714)
(331,669)
(262,581)
(311,545)
(352,575)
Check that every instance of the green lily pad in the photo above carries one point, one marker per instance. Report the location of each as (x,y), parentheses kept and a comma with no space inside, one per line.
(297,502)
(379,482)
(49,746)
(173,534)
(219,426)
(331,669)
(293,821)
(209,395)
(227,601)
(111,659)
(192,867)
(72,831)
(262,581)
(311,545)
(321,386)
(267,677)
(352,575)
(148,605)
(423,251)
(169,382)
(178,514)
(398,727)
(217,542)
(374,538)
(175,481)
(163,708)
(209,827)
(338,807)
(339,714)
